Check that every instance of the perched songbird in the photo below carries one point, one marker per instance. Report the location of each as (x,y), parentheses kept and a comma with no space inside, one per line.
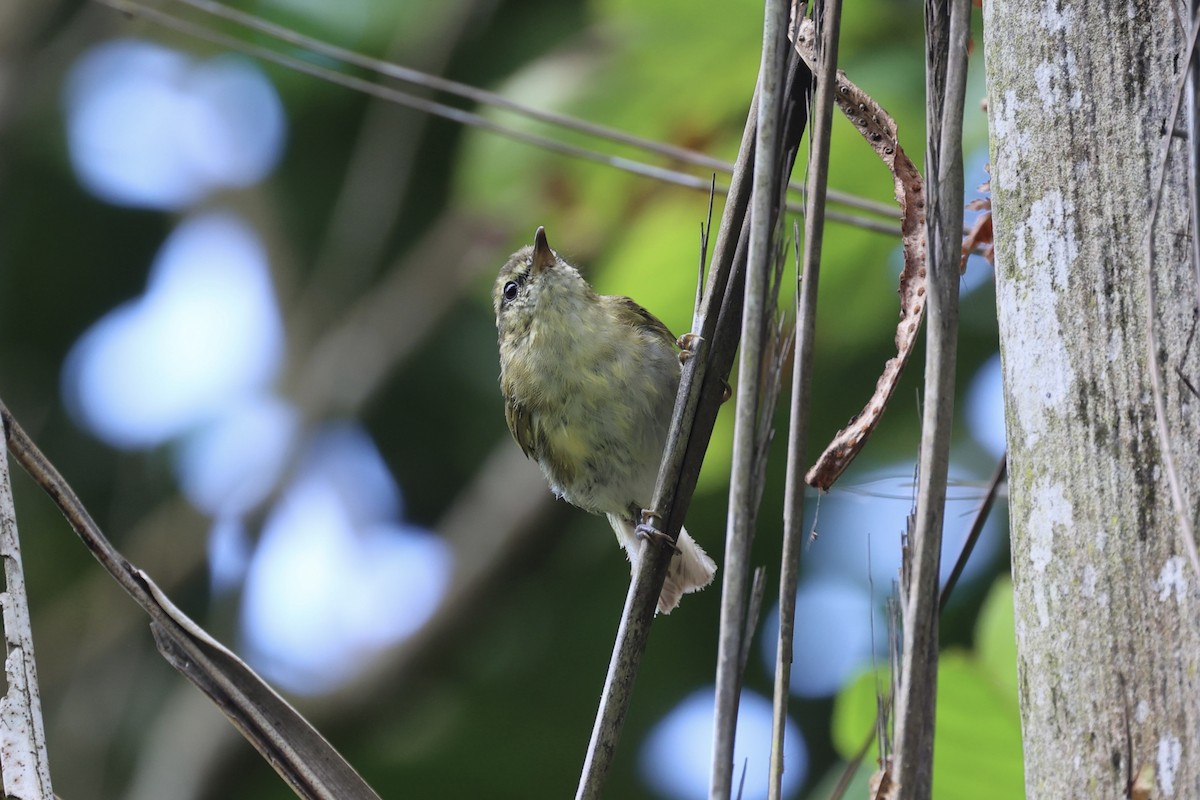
(589,384)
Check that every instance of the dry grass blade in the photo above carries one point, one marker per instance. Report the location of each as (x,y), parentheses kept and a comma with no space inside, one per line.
(879,130)
(852,766)
(307,762)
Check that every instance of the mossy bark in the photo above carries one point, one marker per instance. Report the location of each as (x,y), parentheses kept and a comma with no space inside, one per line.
(1107,602)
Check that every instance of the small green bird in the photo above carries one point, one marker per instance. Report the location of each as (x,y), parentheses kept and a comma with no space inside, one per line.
(589,384)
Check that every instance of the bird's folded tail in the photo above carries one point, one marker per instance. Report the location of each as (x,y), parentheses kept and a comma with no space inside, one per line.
(690,571)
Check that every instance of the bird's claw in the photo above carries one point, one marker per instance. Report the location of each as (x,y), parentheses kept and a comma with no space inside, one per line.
(647,531)
(689,345)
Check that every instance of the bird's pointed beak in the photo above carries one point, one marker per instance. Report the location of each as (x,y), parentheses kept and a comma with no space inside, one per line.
(543,256)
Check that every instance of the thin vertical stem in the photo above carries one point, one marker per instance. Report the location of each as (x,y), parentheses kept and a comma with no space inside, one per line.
(947,28)
(754,328)
(829,23)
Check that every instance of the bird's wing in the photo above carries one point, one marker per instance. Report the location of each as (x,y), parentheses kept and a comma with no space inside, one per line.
(520,424)
(633,315)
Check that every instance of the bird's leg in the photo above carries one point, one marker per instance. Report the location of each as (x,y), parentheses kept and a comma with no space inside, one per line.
(646,530)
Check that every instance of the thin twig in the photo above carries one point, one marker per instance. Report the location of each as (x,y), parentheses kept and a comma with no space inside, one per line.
(1193,144)
(742,504)
(807,279)
(705,230)
(285,739)
(1182,513)
(981,517)
(485,98)
(462,117)
(365,211)
(352,359)
(758,589)
(947,29)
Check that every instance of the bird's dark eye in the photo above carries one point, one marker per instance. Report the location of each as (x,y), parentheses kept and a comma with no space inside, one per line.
(510,291)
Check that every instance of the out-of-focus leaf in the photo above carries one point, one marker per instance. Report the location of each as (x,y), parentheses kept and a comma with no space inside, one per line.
(996,637)
(858,787)
(977,747)
(854,714)
(977,750)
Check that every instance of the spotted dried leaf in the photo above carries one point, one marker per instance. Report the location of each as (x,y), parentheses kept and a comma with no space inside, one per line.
(879,129)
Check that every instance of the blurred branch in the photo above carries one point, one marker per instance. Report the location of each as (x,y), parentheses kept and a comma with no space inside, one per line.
(350,362)
(366,209)
(468,118)
(824,68)
(184,746)
(81,626)
(288,742)
(24,762)
(491,527)
(947,28)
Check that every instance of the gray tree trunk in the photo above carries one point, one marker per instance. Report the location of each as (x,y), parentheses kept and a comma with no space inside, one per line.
(1107,602)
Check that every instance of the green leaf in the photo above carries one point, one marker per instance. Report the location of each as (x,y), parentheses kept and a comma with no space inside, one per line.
(977,747)
(854,714)
(977,750)
(996,638)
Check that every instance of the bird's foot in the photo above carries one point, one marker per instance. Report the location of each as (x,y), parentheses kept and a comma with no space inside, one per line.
(689,344)
(647,531)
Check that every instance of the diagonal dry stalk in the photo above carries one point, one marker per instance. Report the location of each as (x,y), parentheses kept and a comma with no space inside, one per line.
(700,395)
(295,749)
